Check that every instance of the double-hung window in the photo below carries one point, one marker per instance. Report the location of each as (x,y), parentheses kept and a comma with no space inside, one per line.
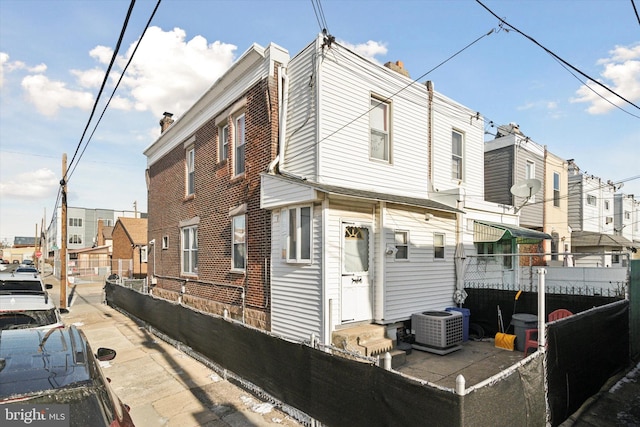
(223,138)
(556,189)
(379,126)
(402,244)
(191,171)
(592,200)
(438,245)
(239,243)
(456,155)
(239,141)
(190,250)
(299,234)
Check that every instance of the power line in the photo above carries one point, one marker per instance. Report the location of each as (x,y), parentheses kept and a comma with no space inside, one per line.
(557,58)
(116,87)
(317,9)
(636,11)
(390,97)
(104,82)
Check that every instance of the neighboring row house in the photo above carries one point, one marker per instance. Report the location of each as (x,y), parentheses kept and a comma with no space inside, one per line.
(311,193)
(593,207)
(582,213)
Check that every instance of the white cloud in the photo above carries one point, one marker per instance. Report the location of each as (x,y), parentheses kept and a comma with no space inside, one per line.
(168,73)
(102,53)
(49,96)
(621,74)
(30,185)
(369,49)
(89,78)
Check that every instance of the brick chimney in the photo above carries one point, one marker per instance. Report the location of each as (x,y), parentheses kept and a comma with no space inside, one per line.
(398,67)
(166,121)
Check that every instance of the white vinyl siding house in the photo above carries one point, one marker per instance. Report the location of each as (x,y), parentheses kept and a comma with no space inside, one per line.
(381,247)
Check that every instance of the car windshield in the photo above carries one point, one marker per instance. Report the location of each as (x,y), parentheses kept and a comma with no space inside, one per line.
(89,405)
(19,286)
(27,319)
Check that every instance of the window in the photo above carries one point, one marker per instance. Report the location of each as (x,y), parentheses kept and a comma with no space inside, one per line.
(299,234)
(530,173)
(402,244)
(223,138)
(556,189)
(144,254)
(190,250)
(165,242)
(239,141)
(456,155)
(191,171)
(606,205)
(75,239)
(506,247)
(438,245)
(75,222)
(379,127)
(592,200)
(238,237)
(627,215)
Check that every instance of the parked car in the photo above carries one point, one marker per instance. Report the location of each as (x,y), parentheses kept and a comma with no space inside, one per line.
(58,367)
(26,263)
(26,269)
(25,303)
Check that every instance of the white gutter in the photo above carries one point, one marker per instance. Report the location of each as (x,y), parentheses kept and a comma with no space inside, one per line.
(283,103)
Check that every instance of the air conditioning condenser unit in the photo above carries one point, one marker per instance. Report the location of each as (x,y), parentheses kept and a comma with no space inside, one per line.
(439,332)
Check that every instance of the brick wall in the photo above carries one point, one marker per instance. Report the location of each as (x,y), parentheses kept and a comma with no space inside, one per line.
(216,192)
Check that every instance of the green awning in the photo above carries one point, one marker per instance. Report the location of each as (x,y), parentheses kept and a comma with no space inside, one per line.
(485,231)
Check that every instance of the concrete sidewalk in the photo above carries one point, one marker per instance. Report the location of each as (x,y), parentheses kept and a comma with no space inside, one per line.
(162,385)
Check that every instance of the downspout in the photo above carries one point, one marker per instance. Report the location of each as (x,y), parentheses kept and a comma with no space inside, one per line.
(283,103)
(430,133)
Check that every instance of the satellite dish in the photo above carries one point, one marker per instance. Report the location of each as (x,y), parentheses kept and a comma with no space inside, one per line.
(526,188)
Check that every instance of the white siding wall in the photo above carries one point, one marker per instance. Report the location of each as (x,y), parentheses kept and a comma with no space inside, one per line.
(447,116)
(591,214)
(296,289)
(347,83)
(301,139)
(422,282)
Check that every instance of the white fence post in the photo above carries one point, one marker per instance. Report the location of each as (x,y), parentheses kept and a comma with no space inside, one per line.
(541,308)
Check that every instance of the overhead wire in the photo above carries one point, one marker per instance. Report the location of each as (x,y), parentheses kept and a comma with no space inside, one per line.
(104,82)
(390,97)
(565,63)
(124,70)
(635,10)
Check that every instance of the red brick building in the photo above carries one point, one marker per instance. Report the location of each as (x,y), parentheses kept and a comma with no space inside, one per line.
(209,238)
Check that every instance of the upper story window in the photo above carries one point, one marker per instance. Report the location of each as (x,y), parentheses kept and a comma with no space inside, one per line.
(191,171)
(438,245)
(592,200)
(379,126)
(239,144)
(299,234)
(606,205)
(223,142)
(165,242)
(457,155)
(75,239)
(402,244)
(189,253)
(627,215)
(556,189)
(75,222)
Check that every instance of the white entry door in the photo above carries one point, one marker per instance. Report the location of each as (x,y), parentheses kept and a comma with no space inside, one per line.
(356,262)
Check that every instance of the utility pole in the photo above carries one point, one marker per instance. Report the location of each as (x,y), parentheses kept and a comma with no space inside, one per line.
(63,235)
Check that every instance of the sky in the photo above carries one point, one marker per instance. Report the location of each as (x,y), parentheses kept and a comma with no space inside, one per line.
(54,55)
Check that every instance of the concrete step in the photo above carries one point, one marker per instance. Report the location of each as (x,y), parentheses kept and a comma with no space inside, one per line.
(368,340)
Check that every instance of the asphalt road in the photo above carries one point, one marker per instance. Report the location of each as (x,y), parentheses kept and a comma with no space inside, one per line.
(162,385)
